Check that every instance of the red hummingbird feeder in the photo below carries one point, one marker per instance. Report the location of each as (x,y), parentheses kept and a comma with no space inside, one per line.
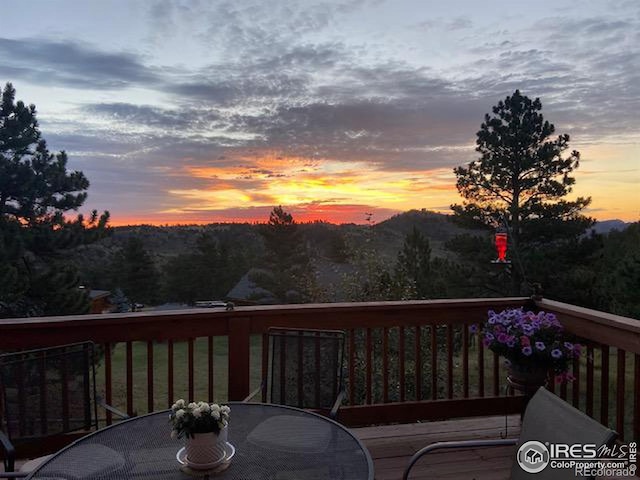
(501,240)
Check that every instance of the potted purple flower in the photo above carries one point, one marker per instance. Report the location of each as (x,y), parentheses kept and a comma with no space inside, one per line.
(533,344)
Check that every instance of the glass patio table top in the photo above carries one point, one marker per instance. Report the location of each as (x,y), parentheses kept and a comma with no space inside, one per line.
(272,442)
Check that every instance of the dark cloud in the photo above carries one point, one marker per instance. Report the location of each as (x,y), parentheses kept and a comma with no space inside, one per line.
(239,88)
(147,115)
(47,62)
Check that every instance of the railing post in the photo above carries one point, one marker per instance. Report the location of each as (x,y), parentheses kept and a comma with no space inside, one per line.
(239,357)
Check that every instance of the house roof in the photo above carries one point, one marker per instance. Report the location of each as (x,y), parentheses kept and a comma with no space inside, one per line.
(247,290)
(95,294)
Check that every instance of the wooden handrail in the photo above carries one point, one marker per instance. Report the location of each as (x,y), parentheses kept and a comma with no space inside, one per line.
(601,327)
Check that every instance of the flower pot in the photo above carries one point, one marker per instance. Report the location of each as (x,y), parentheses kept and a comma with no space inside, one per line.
(526,378)
(205,448)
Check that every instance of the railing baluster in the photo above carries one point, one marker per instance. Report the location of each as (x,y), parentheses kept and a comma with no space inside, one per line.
(300,371)
(170,398)
(265,365)
(563,391)
(317,382)
(210,378)
(418,363)
(352,367)
(434,362)
(465,361)
(368,367)
(401,353)
(107,380)
(620,391)
(150,407)
(480,368)
(283,363)
(129,361)
(450,361)
(589,398)
(65,393)
(385,364)
(575,385)
(43,395)
(496,374)
(604,386)
(190,368)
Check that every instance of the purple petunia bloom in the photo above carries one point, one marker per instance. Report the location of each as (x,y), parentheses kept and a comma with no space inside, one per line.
(503,337)
(511,342)
(568,345)
(556,353)
(540,346)
(527,351)
(489,336)
(473,328)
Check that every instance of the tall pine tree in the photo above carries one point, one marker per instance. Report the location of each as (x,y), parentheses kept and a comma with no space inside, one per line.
(286,271)
(135,273)
(37,192)
(522,177)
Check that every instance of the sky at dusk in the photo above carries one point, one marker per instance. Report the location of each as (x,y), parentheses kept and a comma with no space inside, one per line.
(198,111)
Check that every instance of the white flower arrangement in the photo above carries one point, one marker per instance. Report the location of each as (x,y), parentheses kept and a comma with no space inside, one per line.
(200,417)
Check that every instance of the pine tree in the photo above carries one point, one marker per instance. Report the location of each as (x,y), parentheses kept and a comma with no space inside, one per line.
(522,177)
(286,268)
(414,264)
(136,274)
(36,194)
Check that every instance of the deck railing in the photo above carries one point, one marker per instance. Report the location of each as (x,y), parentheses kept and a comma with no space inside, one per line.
(406,361)
(607,375)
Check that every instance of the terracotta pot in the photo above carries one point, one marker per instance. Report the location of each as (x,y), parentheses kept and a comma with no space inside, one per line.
(205,448)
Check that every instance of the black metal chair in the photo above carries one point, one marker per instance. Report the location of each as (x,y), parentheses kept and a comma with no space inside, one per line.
(45,394)
(547,418)
(303,368)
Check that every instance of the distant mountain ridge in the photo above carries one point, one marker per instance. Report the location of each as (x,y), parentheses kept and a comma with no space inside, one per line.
(605,226)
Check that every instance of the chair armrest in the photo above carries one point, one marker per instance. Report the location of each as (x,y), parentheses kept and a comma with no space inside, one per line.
(9,452)
(111,409)
(333,414)
(14,474)
(253,394)
(450,445)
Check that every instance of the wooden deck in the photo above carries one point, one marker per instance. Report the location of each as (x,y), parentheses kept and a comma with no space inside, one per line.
(392,446)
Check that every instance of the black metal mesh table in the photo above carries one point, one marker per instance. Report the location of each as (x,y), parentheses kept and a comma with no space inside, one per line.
(272,443)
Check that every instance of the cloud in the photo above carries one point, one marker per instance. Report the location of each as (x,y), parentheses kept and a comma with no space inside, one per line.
(71,64)
(275,80)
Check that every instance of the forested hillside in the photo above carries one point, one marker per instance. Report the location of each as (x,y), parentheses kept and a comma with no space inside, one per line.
(416,254)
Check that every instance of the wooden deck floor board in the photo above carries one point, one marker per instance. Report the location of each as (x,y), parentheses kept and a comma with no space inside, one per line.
(392,446)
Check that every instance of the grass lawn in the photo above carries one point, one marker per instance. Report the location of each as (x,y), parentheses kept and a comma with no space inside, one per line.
(180,372)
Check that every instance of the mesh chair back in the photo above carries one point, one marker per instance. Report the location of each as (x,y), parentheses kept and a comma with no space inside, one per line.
(47,391)
(306,367)
(548,418)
